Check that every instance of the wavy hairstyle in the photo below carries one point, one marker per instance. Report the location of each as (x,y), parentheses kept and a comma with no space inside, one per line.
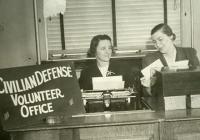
(94,43)
(166,29)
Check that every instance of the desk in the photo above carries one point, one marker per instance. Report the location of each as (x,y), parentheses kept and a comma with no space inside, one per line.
(131,125)
(125,125)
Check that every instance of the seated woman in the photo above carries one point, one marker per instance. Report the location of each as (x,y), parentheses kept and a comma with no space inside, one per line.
(101,48)
(168,53)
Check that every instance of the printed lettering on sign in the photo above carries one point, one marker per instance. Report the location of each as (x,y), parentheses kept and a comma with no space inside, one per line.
(38,91)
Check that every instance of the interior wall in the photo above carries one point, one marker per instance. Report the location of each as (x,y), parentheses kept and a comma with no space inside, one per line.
(42,31)
(196,25)
(17,33)
(190,24)
(186,40)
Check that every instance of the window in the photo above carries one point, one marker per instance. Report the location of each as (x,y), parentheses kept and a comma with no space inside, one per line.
(83,19)
(134,19)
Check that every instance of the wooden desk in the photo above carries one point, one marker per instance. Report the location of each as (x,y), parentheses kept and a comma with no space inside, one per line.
(181,124)
(131,125)
(139,125)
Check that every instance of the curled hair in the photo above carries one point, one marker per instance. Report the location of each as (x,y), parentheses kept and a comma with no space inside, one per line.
(94,43)
(166,29)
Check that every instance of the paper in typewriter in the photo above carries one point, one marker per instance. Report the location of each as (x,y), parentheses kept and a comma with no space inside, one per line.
(106,83)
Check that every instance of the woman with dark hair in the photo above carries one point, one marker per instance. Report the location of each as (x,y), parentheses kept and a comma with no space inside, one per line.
(168,53)
(95,42)
(101,48)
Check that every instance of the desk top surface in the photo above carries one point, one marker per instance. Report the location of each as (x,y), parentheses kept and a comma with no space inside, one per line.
(114,118)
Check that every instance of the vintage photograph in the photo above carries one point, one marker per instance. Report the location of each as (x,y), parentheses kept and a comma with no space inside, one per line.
(99,70)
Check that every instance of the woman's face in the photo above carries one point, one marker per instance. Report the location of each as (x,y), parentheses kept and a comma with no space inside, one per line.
(162,41)
(104,51)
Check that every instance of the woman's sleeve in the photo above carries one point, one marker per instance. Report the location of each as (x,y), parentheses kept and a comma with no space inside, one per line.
(85,80)
(81,80)
(194,61)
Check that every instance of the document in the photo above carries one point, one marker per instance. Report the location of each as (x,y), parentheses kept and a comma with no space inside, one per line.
(156,65)
(107,83)
(183,64)
(175,102)
(195,101)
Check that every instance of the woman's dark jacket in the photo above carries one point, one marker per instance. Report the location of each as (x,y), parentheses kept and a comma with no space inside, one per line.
(181,54)
(114,69)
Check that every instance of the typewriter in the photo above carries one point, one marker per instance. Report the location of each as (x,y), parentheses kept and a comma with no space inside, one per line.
(109,100)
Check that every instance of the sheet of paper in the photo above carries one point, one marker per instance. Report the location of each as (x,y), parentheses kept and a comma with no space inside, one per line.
(106,83)
(157,65)
(183,64)
(175,102)
(109,78)
(195,101)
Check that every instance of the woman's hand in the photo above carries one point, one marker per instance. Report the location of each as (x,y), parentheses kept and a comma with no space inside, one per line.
(148,82)
(145,82)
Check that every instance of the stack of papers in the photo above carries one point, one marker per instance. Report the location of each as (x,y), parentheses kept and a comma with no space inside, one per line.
(183,64)
(157,65)
(107,83)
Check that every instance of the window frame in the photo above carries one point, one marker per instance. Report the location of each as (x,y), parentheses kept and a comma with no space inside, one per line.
(54,54)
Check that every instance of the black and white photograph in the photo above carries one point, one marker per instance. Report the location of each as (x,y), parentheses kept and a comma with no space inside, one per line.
(99,70)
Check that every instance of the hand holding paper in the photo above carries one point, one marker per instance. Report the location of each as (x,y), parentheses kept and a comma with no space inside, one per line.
(147,80)
(156,65)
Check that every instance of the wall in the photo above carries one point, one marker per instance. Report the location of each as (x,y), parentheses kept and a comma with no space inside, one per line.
(42,31)
(186,24)
(17,33)
(190,24)
(196,25)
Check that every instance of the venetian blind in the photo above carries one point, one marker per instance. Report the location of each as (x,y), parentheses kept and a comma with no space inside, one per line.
(83,19)
(134,21)
(173,14)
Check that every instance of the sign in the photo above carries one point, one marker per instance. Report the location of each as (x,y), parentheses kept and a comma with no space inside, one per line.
(30,94)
